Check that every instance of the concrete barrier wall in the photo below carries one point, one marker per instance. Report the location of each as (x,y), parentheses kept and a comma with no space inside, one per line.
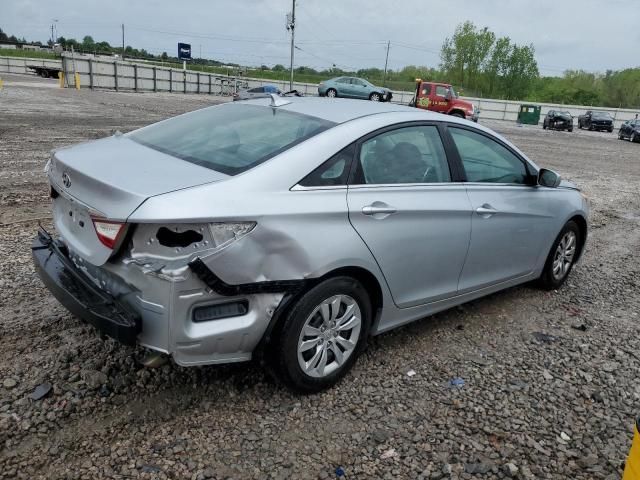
(112,74)
(19,65)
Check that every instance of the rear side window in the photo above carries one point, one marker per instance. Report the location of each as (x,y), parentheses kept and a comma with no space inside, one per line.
(230,138)
(257,90)
(426,89)
(405,155)
(487,161)
(333,172)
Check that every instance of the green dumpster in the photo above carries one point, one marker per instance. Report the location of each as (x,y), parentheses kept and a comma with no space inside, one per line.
(529,114)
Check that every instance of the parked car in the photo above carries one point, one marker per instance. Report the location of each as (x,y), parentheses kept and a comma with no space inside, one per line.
(596,121)
(257,92)
(631,130)
(558,120)
(229,233)
(353,87)
(442,98)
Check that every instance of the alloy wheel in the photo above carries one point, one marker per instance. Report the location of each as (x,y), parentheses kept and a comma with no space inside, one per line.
(563,258)
(331,93)
(329,336)
(375,97)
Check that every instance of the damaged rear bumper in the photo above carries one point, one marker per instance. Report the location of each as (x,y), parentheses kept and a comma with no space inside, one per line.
(77,293)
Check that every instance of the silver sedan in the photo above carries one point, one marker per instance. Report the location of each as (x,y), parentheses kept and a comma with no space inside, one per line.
(292,229)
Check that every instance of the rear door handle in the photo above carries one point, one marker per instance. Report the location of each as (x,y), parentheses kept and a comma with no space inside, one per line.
(378,208)
(486,211)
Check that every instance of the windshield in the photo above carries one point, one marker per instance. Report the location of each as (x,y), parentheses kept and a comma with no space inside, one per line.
(230,138)
(565,113)
(601,115)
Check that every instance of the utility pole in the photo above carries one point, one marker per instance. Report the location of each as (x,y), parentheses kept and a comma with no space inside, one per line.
(386,62)
(123,41)
(52,39)
(291,25)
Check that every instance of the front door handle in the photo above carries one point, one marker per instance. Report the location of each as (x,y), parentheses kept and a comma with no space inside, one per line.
(486,211)
(378,208)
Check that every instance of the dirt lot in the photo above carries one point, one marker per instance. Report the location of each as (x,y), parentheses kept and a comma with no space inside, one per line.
(550,388)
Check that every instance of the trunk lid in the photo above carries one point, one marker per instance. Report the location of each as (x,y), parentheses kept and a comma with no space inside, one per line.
(110,178)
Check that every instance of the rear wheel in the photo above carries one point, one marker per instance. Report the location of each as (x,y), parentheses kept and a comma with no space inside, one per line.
(374,97)
(633,137)
(331,93)
(562,257)
(323,334)
(44,74)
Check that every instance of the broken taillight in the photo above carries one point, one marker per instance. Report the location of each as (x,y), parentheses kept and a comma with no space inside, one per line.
(108,232)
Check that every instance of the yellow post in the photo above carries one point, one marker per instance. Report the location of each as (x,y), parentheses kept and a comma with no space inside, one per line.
(77,79)
(1,83)
(61,79)
(632,468)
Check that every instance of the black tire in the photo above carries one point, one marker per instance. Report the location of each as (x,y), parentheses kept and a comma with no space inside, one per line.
(590,128)
(633,138)
(457,114)
(620,137)
(286,360)
(611,130)
(332,93)
(544,126)
(548,280)
(44,74)
(570,129)
(375,97)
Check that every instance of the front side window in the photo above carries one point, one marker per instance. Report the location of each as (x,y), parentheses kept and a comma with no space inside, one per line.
(230,138)
(486,160)
(426,90)
(406,155)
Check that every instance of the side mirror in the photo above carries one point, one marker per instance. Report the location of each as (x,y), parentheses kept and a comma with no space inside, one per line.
(548,178)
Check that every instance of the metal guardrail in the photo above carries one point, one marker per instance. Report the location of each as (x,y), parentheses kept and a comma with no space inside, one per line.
(107,73)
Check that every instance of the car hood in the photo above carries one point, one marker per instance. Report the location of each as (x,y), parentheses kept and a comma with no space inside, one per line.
(567,184)
(114,175)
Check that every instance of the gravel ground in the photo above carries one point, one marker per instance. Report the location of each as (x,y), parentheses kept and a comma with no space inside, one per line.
(550,378)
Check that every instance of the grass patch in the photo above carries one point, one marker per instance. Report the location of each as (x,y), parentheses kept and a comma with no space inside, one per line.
(27,54)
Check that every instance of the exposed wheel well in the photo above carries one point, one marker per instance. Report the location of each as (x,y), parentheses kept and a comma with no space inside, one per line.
(582,225)
(264,350)
(458,113)
(368,281)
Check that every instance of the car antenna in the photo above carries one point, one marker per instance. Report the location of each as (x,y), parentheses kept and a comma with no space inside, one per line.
(278,101)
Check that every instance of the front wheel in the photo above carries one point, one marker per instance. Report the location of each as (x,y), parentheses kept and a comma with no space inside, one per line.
(323,334)
(633,138)
(332,93)
(620,137)
(374,97)
(562,257)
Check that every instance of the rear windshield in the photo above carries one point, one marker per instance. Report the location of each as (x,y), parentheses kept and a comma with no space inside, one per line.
(230,138)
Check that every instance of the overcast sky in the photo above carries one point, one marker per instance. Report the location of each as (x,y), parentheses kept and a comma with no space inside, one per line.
(594,35)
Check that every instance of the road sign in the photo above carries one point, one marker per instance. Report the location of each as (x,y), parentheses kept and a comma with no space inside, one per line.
(184,51)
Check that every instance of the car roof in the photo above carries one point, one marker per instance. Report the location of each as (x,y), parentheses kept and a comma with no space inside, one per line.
(340,110)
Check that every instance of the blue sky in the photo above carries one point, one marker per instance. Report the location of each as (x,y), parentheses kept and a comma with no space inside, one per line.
(567,34)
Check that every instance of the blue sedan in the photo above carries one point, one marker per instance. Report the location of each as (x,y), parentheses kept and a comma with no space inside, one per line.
(353,87)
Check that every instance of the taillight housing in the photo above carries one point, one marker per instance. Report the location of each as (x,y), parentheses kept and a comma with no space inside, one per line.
(108,232)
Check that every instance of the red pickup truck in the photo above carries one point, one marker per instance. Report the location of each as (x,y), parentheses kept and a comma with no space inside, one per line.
(441,97)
